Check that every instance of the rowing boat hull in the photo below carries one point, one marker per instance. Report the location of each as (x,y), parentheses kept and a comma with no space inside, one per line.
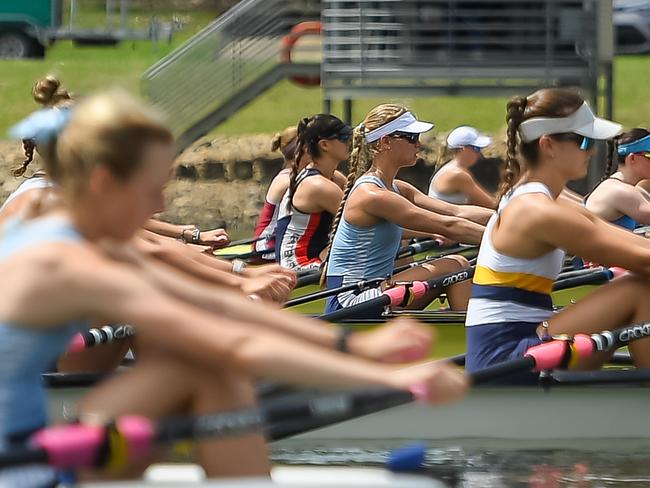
(283,476)
(566,416)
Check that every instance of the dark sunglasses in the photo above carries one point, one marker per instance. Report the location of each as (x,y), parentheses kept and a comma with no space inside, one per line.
(407,136)
(644,154)
(584,143)
(345,135)
(475,148)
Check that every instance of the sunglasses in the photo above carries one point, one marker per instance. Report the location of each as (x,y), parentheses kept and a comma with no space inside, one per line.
(475,148)
(407,136)
(584,143)
(644,154)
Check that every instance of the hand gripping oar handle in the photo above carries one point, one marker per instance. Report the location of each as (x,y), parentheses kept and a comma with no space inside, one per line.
(100,335)
(400,295)
(562,352)
(131,437)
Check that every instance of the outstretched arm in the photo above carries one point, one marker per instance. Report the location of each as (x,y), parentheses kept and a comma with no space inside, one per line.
(476,214)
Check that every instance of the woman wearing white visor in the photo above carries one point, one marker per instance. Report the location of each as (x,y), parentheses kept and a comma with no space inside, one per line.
(377,211)
(453,182)
(524,243)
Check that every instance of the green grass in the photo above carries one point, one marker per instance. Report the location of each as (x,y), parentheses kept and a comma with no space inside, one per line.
(90,68)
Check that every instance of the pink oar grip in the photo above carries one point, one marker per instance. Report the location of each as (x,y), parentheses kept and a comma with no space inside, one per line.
(396,295)
(419,289)
(618,272)
(139,433)
(583,345)
(70,446)
(78,343)
(420,391)
(548,355)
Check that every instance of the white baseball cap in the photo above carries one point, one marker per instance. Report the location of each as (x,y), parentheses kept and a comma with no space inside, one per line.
(467,136)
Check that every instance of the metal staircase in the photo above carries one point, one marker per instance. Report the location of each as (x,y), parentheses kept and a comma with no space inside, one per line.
(225,66)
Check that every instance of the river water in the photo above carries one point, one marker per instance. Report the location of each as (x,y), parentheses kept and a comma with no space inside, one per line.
(486,468)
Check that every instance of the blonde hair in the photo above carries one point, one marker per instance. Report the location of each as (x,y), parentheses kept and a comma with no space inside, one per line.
(361,158)
(110,130)
(49,93)
(285,142)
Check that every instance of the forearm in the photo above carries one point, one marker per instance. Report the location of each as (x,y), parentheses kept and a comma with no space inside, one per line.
(165,228)
(219,342)
(479,215)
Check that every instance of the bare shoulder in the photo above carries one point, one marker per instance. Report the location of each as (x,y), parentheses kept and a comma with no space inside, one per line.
(340,179)
(319,184)
(532,210)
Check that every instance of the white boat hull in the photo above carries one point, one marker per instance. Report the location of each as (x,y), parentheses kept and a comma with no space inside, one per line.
(190,476)
(512,417)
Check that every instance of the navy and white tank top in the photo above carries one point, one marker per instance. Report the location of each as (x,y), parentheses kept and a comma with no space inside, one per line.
(510,289)
(300,237)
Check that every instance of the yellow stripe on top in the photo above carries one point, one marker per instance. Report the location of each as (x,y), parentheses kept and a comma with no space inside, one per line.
(524,281)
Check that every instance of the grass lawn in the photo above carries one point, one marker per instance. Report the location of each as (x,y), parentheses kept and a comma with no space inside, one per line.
(84,69)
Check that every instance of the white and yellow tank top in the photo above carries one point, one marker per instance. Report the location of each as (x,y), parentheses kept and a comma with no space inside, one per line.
(509,289)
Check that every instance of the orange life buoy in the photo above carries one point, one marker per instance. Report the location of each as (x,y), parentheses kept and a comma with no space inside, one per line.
(303,29)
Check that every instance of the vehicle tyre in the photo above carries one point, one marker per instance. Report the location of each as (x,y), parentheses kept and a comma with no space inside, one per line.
(17,45)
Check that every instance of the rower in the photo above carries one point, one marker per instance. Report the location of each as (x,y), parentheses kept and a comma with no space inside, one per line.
(315,192)
(111,158)
(523,247)
(377,211)
(285,142)
(616,198)
(452,181)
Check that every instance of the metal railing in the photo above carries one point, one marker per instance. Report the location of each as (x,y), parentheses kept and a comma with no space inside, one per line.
(235,52)
(424,45)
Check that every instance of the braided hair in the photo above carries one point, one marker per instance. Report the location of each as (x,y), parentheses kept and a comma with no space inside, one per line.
(361,158)
(547,102)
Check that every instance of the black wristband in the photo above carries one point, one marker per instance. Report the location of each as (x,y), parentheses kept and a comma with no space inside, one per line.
(342,339)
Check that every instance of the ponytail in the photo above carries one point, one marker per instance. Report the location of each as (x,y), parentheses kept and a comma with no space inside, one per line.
(300,152)
(512,172)
(612,159)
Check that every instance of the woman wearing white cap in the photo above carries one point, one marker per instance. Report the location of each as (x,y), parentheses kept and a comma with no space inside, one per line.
(453,181)
(377,209)
(524,242)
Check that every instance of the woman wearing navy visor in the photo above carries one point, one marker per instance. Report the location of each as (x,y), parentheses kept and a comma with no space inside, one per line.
(453,182)
(308,206)
(524,243)
(377,210)
(617,199)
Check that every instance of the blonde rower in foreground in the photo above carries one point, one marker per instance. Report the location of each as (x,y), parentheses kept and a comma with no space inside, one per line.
(204,345)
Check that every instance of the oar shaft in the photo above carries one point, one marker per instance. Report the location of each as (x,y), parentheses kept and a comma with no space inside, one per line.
(361,285)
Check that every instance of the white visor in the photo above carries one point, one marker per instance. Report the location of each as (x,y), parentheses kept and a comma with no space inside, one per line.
(582,121)
(404,123)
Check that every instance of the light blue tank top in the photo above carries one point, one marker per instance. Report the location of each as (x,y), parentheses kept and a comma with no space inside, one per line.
(26,352)
(360,253)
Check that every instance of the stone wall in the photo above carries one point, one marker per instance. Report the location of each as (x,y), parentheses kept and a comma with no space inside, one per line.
(221,182)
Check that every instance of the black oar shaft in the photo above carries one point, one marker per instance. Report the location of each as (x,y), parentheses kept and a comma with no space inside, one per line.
(500,370)
(362,285)
(597,277)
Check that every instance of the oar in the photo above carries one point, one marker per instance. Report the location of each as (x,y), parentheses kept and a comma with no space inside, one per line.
(132,437)
(360,286)
(246,255)
(595,277)
(241,242)
(561,352)
(400,295)
(100,335)
(417,248)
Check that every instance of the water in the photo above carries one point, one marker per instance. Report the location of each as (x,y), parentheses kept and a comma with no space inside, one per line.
(485,468)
